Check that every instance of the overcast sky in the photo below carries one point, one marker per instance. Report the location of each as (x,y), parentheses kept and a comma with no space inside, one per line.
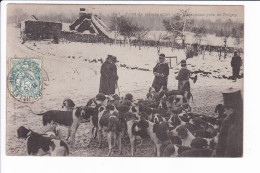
(235,13)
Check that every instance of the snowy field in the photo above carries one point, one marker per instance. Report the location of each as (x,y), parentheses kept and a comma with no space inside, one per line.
(72,75)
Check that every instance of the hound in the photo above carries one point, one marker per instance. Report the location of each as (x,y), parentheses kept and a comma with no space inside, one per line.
(109,122)
(173,150)
(157,132)
(66,118)
(189,140)
(131,122)
(40,144)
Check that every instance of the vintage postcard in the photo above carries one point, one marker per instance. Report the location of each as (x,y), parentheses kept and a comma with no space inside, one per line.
(124,80)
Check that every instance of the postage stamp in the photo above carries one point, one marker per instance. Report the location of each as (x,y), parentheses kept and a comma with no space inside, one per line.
(25,79)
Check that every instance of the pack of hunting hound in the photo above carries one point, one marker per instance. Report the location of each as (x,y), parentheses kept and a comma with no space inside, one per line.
(165,118)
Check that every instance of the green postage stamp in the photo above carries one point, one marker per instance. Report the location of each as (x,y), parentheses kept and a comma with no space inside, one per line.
(25,79)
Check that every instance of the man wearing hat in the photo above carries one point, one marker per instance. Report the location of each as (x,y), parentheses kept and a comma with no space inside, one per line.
(161,72)
(183,77)
(109,77)
(236,63)
(230,139)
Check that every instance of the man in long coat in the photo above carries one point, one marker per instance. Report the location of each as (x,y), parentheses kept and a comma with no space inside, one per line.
(230,139)
(161,72)
(108,79)
(236,63)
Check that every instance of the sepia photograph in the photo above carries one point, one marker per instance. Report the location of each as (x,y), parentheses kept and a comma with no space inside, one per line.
(124,80)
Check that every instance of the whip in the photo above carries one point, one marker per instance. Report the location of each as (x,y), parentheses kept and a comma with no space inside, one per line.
(118,88)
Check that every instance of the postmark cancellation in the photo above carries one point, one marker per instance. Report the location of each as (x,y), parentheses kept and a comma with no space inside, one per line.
(25,79)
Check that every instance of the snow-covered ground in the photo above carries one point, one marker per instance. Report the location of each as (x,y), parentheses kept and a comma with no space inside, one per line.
(71,75)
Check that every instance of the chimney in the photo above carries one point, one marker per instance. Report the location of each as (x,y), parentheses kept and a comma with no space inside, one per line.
(82,12)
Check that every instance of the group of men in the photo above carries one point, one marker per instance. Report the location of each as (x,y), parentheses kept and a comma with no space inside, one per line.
(161,72)
(109,77)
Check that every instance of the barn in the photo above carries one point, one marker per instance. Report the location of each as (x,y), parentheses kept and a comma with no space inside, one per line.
(33,29)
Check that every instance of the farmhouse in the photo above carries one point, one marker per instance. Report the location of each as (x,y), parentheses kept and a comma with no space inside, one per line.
(87,28)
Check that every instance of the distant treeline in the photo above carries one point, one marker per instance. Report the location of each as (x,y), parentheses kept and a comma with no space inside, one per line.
(219,28)
(153,22)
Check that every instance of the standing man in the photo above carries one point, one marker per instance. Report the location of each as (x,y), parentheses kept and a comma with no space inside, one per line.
(183,77)
(236,63)
(108,79)
(161,73)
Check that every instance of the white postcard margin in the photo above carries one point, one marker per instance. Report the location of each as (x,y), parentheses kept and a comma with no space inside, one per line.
(11,164)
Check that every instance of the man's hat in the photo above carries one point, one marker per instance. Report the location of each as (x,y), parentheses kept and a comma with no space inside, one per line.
(233,98)
(162,55)
(183,62)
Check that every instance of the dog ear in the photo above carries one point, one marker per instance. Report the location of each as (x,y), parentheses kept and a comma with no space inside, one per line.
(133,109)
(199,143)
(89,102)
(22,132)
(156,128)
(127,103)
(77,113)
(71,103)
(143,124)
(182,131)
(101,108)
(129,116)
(100,97)
(89,111)
(110,107)
(218,108)
(129,97)
(123,108)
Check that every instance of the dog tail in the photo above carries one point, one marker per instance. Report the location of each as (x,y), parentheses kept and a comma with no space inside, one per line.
(33,111)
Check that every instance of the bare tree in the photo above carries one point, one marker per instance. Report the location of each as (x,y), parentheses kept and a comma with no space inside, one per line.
(140,33)
(115,25)
(179,24)
(158,37)
(124,26)
(199,34)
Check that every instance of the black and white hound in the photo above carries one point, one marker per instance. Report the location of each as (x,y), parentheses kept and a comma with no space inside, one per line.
(42,144)
(159,133)
(109,122)
(69,119)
